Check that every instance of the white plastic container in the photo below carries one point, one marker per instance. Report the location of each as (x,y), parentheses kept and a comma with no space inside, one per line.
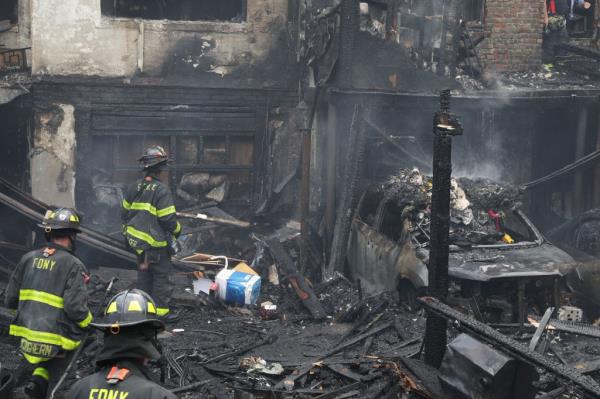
(238,287)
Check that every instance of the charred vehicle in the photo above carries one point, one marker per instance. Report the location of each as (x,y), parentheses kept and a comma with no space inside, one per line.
(580,238)
(500,264)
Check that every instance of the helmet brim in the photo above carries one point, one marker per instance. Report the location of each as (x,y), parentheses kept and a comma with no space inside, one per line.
(58,227)
(154,323)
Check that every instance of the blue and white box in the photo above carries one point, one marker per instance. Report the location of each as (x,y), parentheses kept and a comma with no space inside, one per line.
(238,287)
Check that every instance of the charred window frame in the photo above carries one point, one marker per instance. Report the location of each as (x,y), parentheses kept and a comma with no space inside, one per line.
(580,21)
(473,10)
(374,18)
(230,154)
(176,10)
(9,13)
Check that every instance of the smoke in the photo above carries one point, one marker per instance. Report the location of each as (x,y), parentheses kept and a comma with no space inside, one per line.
(487,170)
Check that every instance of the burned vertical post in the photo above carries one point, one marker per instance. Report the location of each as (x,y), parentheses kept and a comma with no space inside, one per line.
(445,125)
(303,126)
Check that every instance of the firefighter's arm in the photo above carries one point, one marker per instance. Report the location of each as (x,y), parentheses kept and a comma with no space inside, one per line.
(75,297)
(11,298)
(125,205)
(166,212)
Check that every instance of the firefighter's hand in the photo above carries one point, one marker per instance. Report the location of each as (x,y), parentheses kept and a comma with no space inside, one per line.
(143,266)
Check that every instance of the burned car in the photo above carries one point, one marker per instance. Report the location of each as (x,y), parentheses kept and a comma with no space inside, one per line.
(500,265)
(580,238)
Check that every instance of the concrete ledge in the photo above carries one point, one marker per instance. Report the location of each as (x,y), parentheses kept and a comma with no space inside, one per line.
(167,25)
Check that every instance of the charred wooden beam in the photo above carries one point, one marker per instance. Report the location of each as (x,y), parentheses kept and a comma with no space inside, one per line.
(303,290)
(508,345)
(353,168)
(445,126)
(595,55)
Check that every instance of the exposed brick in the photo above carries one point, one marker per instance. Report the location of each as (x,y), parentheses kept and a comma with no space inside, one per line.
(513,32)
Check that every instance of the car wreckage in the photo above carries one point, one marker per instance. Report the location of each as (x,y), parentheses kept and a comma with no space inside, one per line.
(500,264)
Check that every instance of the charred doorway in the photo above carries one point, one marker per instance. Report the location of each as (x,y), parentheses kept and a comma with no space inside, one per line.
(15,119)
(214,148)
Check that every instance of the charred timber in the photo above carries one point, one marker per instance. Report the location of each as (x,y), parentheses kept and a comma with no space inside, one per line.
(508,345)
(595,55)
(445,126)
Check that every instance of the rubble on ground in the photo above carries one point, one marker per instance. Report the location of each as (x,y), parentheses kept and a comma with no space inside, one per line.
(298,338)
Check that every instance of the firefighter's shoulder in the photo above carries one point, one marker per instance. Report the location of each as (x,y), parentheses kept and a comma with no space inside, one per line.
(135,387)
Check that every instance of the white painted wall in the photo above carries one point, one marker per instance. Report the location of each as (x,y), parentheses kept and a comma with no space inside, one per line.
(53,158)
(71,37)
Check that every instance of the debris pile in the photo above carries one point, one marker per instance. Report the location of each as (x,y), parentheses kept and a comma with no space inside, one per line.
(479,210)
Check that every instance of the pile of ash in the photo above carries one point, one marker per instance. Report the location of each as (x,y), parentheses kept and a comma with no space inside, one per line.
(479,208)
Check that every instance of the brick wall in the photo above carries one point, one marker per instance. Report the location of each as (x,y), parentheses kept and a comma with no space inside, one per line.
(513,32)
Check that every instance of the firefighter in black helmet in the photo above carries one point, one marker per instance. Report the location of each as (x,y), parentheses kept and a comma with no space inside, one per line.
(130,325)
(48,289)
(151,228)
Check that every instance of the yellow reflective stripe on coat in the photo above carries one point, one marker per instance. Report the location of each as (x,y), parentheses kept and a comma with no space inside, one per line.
(34,359)
(85,322)
(165,212)
(41,372)
(177,229)
(43,297)
(43,337)
(145,237)
(162,311)
(143,206)
(148,207)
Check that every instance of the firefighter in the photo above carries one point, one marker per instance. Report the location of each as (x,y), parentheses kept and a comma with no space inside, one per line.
(48,290)
(151,228)
(130,325)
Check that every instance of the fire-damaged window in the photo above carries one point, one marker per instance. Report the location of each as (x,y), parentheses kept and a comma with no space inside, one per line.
(580,19)
(373,18)
(8,13)
(473,10)
(205,167)
(177,10)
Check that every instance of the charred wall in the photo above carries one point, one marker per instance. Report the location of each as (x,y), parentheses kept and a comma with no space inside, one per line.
(230,147)
(75,37)
(394,45)
(513,139)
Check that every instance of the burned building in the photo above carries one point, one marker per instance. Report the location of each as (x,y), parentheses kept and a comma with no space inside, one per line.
(293,115)
(206,83)
(113,77)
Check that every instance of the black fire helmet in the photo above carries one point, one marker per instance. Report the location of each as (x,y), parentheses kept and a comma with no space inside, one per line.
(130,308)
(61,219)
(153,157)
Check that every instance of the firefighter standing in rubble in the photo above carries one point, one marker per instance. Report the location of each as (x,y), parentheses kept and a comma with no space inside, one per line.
(48,289)
(130,325)
(151,228)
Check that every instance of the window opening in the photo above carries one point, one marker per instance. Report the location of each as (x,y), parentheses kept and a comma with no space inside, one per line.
(9,13)
(177,10)
(373,18)
(473,10)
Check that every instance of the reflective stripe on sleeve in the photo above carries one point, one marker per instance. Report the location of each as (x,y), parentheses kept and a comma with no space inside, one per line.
(177,229)
(165,212)
(85,322)
(41,372)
